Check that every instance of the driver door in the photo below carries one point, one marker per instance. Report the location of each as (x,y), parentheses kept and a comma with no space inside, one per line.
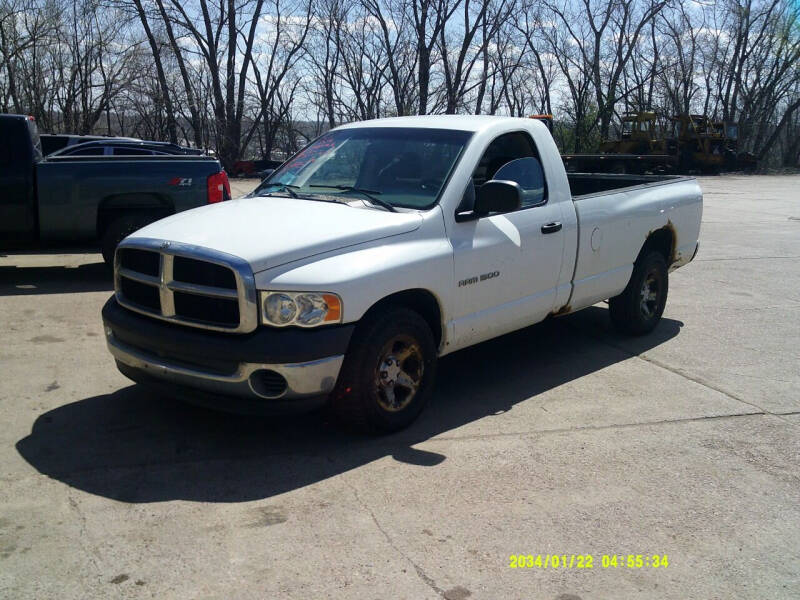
(507,265)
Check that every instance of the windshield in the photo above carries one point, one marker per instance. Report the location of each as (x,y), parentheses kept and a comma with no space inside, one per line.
(627,127)
(401,166)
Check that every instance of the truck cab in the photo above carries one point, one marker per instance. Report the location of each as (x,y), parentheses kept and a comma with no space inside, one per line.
(19,153)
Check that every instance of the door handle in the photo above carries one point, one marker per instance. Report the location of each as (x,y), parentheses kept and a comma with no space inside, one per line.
(551,227)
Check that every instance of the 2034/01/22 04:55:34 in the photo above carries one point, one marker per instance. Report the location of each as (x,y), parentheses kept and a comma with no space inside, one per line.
(587,561)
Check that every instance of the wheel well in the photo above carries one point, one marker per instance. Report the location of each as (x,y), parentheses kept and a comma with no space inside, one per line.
(661,240)
(141,204)
(422,302)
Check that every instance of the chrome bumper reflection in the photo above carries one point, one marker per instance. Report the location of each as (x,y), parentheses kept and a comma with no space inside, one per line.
(306,379)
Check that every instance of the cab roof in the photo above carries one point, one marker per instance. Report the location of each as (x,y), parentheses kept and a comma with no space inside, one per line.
(456,122)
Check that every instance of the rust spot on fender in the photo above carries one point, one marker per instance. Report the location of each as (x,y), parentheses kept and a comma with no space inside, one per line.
(671,228)
(564,310)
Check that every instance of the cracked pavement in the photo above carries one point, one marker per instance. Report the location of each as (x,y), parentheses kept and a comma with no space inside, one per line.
(564,438)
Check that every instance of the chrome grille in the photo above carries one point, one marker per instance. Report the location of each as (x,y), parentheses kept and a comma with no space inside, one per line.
(186,284)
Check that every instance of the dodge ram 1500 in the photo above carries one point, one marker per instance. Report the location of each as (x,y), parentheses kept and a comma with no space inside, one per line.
(380,247)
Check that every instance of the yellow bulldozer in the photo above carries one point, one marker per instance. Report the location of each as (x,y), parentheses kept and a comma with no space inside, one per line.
(638,135)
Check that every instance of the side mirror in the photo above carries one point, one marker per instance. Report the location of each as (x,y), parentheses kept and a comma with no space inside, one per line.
(497,196)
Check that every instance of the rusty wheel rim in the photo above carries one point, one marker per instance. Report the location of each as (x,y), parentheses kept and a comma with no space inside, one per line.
(398,374)
(649,295)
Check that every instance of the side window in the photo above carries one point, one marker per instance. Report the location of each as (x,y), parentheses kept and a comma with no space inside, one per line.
(513,157)
(528,173)
(94,151)
(121,151)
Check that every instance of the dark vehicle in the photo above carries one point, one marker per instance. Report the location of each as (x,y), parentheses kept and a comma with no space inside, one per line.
(255,168)
(620,163)
(111,147)
(92,199)
(53,142)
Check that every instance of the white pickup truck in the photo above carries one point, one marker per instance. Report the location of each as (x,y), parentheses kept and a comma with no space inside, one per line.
(380,247)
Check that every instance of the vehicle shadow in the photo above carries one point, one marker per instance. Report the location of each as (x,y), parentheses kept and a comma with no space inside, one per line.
(19,281)
(134,447)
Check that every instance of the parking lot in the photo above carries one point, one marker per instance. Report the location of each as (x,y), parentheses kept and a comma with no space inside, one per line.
(565,438)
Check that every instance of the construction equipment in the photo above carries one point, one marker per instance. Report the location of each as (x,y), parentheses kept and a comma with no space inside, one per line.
(693,143)
(638,150)
(698,143)
(638,136)
(734,160)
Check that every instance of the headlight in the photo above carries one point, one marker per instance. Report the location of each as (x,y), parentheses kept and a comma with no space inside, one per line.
(304,309)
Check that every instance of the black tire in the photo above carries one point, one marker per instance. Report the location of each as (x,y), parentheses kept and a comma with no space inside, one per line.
(630,312)
(119,229)
(360,400)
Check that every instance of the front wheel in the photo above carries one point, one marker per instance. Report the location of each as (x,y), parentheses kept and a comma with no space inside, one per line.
(638,309)
(388,373)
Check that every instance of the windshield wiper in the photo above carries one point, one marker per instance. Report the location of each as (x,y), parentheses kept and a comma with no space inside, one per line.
(286,187)
(290,189)
(369,194)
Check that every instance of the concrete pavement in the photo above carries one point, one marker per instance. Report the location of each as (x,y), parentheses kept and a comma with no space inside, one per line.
(579,441)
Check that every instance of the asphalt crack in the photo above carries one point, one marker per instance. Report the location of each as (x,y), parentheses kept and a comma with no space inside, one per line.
(694,379)
(746,258)
(91,552)
(600,427)
(423,576)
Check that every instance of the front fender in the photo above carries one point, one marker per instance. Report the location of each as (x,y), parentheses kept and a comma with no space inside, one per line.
(365,274)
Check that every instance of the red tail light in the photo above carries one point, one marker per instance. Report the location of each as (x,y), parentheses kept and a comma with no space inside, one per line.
(219,188)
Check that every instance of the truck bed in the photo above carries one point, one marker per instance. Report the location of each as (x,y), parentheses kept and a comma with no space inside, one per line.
(587,184)
(619,212)
(74,191)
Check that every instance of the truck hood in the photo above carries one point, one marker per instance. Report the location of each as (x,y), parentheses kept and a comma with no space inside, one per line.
(270,231)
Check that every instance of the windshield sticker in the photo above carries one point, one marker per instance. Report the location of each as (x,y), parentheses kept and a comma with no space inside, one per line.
(310,154)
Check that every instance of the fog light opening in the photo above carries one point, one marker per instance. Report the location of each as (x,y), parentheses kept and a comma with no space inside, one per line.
(268,384)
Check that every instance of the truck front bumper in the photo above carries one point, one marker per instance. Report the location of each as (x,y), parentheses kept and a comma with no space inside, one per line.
(269,370)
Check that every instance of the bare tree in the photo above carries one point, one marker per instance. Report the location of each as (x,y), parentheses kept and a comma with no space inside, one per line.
(429,18)
(274,61)
(399,49)
(249,77)
(606,33)
(458,60)
(155,49)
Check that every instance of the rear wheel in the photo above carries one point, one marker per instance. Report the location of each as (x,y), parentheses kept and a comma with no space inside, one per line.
(388,373)
(119,229)
(638,309)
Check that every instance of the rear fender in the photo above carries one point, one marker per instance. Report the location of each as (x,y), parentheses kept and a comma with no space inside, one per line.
(112,207)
